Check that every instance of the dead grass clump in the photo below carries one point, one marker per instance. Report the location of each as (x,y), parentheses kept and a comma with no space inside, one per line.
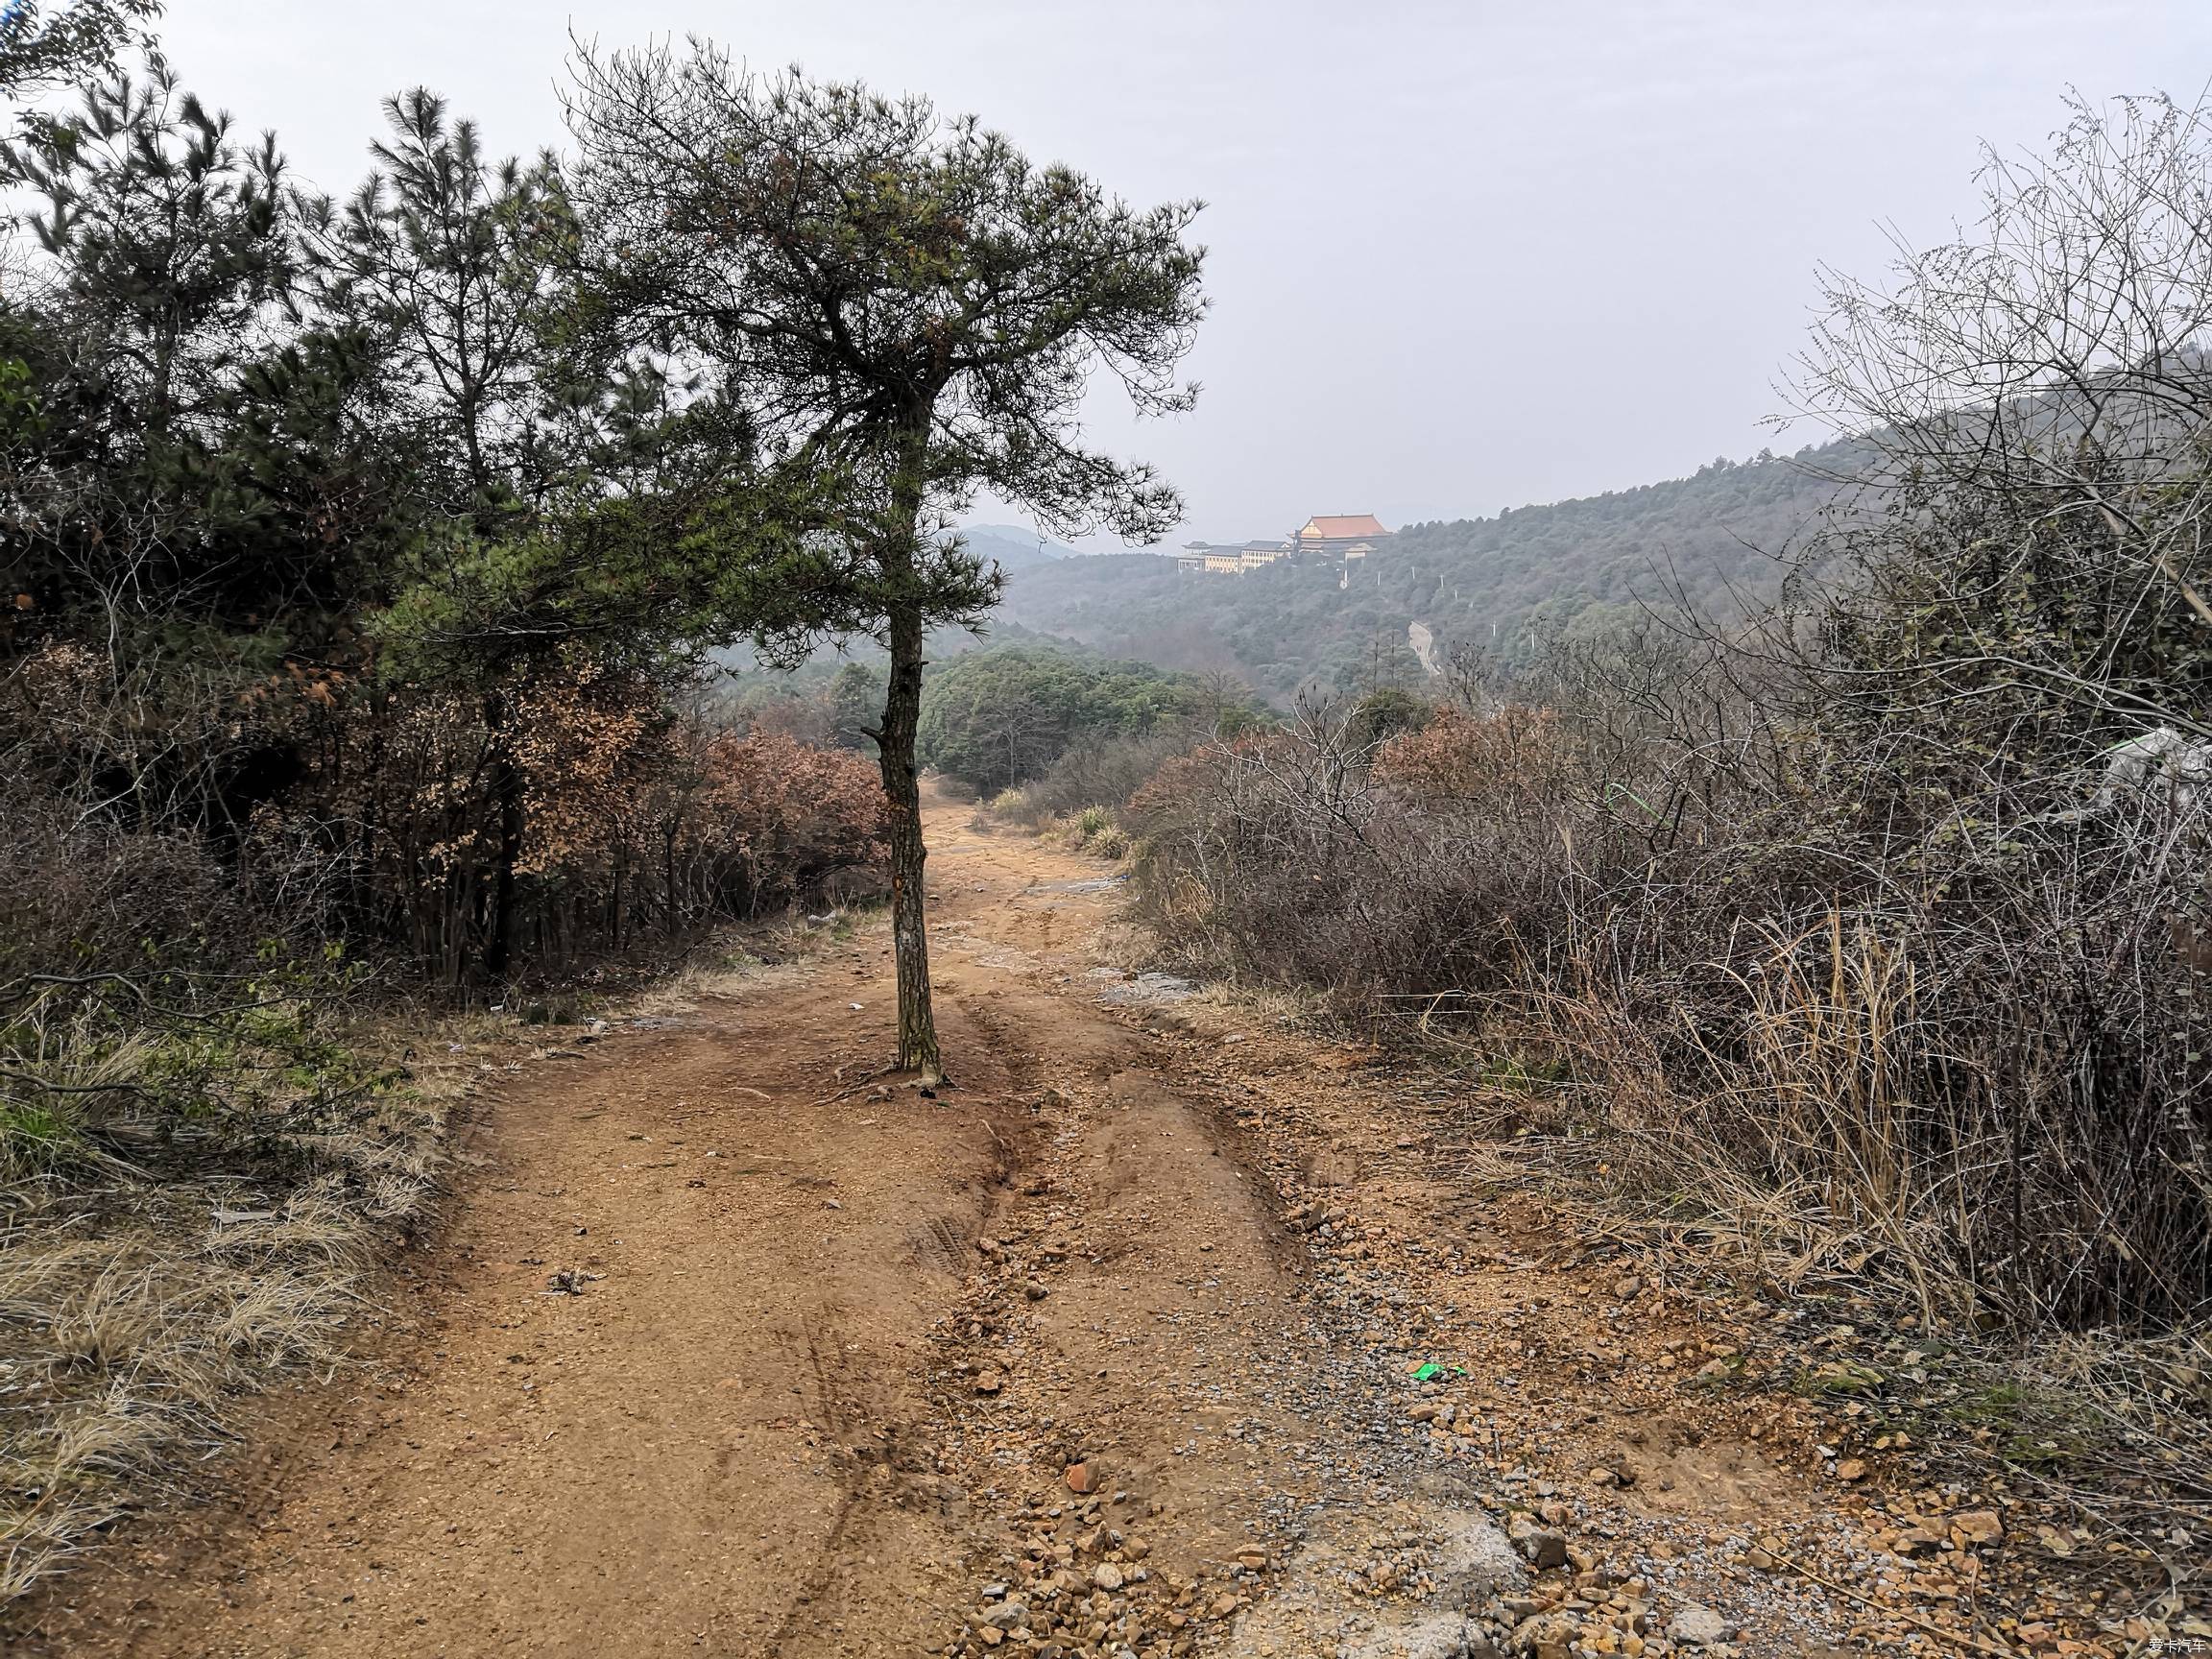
(1091,831)
(138,1303)
(1097,774)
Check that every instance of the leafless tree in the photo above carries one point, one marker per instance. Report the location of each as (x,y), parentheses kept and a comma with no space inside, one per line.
(2036,396)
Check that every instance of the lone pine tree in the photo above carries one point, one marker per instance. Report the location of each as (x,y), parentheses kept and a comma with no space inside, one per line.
(906,303)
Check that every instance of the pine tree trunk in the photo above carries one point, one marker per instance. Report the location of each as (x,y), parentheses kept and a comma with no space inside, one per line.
(507,799)
(675,828)
(903,791)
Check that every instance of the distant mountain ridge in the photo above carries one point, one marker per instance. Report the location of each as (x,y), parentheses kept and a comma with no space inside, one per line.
(1015,547)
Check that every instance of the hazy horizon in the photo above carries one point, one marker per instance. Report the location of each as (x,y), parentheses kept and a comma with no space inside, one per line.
(1463,257)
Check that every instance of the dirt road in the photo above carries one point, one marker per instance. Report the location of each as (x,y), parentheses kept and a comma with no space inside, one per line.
(756,1425)
(729,1350)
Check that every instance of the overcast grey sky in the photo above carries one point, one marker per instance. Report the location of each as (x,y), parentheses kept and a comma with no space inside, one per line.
(1464,256)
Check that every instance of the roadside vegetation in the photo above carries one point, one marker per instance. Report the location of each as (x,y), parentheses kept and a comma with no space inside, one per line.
(1858,945)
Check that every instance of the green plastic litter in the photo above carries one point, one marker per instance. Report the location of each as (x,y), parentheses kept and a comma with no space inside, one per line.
(1426,1370)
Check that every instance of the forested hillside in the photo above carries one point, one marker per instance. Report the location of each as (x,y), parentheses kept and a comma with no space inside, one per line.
(1501,583)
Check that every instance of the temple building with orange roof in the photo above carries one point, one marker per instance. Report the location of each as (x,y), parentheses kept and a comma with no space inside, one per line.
(1337,537)
(1342,534)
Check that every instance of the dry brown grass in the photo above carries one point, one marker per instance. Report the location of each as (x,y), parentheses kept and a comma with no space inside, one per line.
(136,1311)
(742,960)
(2113,1424)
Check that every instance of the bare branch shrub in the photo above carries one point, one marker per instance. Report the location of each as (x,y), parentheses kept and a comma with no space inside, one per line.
(1895,900)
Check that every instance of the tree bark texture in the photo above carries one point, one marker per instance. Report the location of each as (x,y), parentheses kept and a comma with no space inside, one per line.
(902,794)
